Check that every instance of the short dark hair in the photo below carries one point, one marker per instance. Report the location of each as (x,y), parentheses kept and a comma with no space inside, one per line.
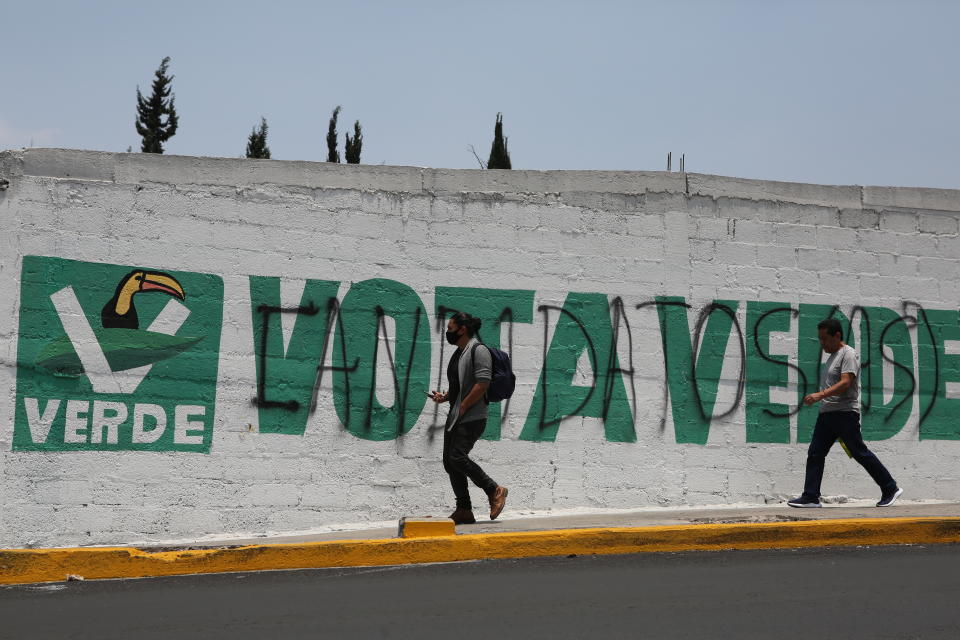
(832,325)
(472,324)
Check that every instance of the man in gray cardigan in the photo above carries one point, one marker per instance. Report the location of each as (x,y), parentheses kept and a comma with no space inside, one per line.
(468,376)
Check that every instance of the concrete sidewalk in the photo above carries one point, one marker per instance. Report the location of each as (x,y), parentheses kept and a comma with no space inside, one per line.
(515,535)
(517,521)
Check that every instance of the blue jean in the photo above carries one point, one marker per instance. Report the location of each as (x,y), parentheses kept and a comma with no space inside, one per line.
(845,425)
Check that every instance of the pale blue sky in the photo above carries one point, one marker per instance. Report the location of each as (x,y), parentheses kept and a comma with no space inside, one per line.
(836,92)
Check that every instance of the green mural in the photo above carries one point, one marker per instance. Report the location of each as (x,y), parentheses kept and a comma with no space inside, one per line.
(358,340)
(116,358)
(494,307)
(286,377)
(882,328)
(589,325)
(582,326)
(693,388)
(766,421)
(938,414)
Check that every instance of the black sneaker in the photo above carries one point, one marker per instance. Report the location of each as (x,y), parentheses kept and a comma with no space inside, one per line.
(804,502)
(889,497)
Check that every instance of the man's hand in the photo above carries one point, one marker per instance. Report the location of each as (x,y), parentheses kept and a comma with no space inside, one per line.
(438,396)
(846,381)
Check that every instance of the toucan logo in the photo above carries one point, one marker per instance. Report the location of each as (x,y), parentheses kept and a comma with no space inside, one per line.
(118,344)
(114,357)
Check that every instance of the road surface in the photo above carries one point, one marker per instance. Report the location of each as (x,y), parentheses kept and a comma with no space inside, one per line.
(875,592)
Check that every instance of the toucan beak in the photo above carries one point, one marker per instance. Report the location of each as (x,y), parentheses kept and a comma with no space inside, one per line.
(161,282)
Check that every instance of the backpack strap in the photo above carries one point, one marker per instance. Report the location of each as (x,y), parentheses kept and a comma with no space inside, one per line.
(473,351)
(473,360)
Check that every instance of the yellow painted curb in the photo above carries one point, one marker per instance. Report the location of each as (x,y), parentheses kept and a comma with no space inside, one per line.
(426,527)
(19,566)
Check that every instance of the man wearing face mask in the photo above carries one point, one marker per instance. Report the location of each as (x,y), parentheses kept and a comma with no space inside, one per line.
(468,376)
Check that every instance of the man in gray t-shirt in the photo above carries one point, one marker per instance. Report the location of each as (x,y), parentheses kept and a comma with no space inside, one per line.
(839,419)
(843,360)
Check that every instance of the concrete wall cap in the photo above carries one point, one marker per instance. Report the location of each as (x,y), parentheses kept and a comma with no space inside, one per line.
(795,192)
(523,181)
(68,163)
(911,198)
(138,168)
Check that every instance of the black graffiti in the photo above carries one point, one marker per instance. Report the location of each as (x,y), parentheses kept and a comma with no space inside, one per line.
(400,398)
(741,375)
(913,382)
(442,313)
(333,311)
(921,312)
(618,317)
(911,321)
(702,317)
(666,351)
(803,380)
(266,311)
(619,322)
(545,310)
(765,356)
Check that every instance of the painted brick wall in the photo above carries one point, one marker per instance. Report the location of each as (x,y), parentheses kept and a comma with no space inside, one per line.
(602,273)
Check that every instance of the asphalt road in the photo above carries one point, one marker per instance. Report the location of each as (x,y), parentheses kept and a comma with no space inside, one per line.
(878,592)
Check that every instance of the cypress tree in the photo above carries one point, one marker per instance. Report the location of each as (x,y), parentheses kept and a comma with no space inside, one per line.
(332,154)
(354,145)
(151,112)
(257,142)
(499,156)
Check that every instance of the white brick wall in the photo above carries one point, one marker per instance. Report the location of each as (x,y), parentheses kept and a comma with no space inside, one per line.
(633,235)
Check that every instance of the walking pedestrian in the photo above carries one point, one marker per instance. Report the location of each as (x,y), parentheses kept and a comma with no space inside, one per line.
(839,399)
(468,376)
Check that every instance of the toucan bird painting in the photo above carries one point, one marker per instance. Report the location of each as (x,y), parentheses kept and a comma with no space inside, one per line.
(119,312)
(121,339)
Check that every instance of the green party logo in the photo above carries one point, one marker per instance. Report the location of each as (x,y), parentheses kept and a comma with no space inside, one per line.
(116,358)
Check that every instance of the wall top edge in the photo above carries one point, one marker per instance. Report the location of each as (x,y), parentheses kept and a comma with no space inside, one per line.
(141,168)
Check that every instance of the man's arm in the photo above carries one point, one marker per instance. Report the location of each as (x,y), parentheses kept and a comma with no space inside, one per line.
(482,369)
(476,393)
(846,381)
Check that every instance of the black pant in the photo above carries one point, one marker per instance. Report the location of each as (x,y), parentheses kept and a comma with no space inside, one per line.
(457,443)
(845,425)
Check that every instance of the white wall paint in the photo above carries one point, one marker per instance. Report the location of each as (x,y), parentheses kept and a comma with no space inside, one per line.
(629,234)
